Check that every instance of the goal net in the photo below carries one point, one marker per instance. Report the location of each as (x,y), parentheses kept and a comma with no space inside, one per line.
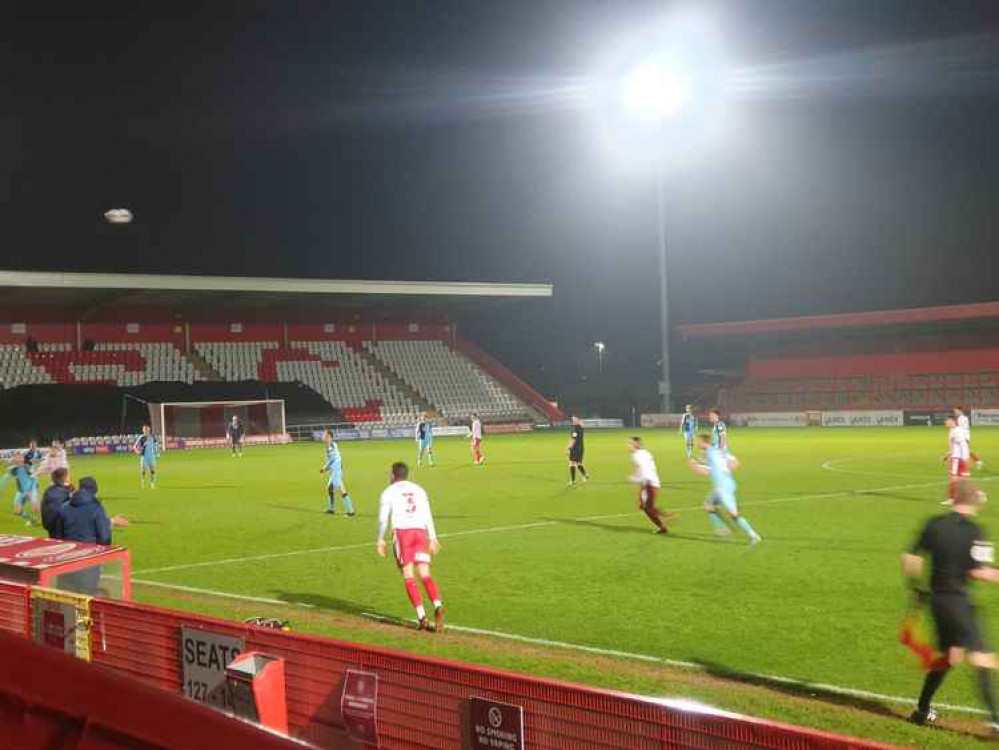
(205,422)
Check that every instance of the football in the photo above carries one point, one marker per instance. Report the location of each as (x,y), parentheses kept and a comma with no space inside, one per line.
(118,216)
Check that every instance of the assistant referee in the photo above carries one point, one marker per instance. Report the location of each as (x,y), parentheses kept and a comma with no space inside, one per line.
(958,551)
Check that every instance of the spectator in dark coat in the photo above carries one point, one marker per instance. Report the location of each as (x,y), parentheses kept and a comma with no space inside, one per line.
(83,518)
(54,498)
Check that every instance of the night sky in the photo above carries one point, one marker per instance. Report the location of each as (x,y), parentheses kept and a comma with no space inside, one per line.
(416,140)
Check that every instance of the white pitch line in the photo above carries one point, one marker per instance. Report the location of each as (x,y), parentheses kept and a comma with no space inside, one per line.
(339,548)
(223,594)
(819,686)
(647,658)
(805,684)
(525,526)
(833,465)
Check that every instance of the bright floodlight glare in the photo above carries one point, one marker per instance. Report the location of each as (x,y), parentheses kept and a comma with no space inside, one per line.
(654,91)
(600,346)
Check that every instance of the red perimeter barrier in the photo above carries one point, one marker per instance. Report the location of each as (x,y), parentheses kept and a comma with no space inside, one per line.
(52,701)
(421,701)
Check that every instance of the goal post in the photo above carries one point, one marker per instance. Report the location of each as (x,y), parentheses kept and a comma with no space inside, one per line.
(205,421)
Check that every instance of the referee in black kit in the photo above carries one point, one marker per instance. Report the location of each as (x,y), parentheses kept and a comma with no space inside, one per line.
(575,452)
(958,551)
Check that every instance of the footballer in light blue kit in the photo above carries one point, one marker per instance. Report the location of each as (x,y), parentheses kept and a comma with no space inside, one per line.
(688,428)
(719,432)
(27,489)
(148,449)
(424,434)
(718,467)
(334,467)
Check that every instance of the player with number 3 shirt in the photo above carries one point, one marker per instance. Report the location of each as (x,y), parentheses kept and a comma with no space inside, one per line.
(406,506)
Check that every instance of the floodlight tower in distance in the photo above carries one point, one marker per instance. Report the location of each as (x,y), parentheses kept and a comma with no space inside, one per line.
(600,346)
(665,92)
(654,92)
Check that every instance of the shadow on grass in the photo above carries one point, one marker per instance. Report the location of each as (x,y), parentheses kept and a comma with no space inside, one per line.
(294,508)
(604,526)
(802,689)
(898,496)
(645,530)
(198,487)
(704,538)
(795,688)
(323,601)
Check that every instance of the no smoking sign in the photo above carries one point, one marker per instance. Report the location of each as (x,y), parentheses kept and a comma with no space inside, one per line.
(495,725)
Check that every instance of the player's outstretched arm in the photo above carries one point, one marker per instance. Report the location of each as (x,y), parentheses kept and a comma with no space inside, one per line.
(699,468)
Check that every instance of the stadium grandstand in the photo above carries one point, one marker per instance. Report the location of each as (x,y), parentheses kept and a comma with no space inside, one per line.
(925,359)
(377,354)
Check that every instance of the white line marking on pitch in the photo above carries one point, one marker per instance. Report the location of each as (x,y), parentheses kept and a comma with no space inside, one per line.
(805,684)
(533,525)
(833,465)
(648,658)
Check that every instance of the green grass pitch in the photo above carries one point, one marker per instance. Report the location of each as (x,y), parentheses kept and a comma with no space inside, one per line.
(819,600)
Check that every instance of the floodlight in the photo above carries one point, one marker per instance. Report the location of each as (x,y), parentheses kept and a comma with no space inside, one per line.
(654,91)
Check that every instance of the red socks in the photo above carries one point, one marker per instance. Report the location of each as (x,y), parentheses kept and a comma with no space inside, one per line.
(431,586)
(413,592)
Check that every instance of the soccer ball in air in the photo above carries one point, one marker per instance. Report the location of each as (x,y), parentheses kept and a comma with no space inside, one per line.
(118,216)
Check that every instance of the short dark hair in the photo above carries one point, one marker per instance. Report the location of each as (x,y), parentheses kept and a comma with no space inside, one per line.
(704,437)
(399,471)
(715,411)
(59,475)
(636,440)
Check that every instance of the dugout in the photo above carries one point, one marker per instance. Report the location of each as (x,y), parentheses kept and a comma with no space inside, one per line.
(73,567)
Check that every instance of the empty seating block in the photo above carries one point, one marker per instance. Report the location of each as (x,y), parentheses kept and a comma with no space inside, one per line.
(120,364)
(163,361)
(454,384)
(346,380)
(235,360)
(330,368)
(17,369)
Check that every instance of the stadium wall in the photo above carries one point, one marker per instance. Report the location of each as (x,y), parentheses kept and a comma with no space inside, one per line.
(926,362)
(422,703)
(125,332)
(43,333)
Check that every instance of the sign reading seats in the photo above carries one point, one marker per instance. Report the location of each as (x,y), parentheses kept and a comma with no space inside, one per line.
(204,657)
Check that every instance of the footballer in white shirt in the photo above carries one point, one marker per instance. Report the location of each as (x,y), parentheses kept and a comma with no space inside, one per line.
(647,479)
(406,506)
(965,424)
(478,458)
(957,457)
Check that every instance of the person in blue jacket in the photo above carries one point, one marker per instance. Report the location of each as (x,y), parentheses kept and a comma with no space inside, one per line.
(83,518)
(54,498)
